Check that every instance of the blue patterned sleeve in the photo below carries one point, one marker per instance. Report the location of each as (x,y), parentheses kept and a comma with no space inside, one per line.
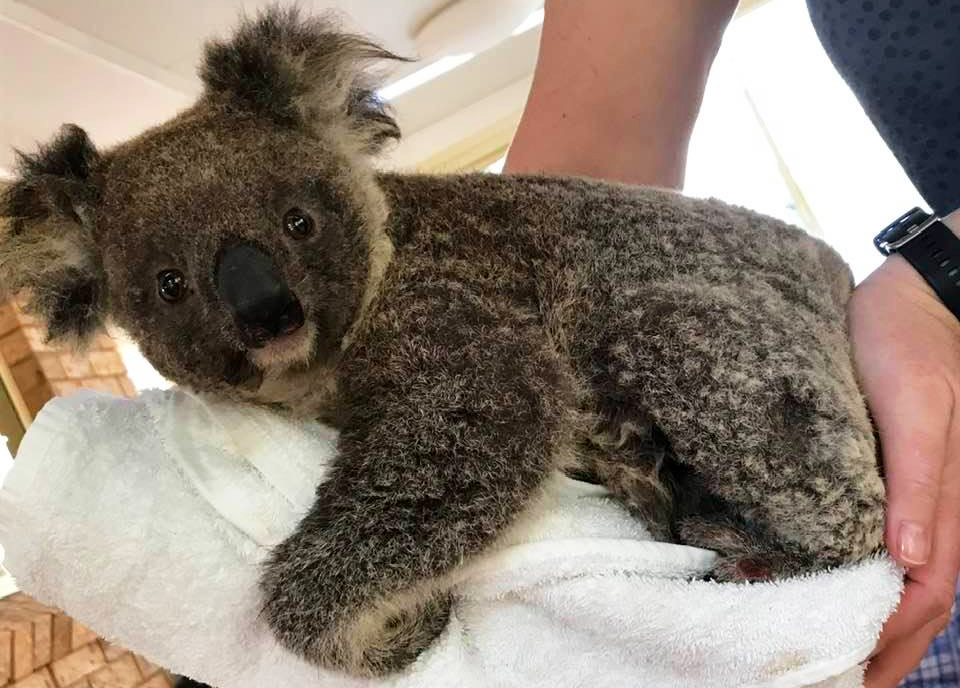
(901,58)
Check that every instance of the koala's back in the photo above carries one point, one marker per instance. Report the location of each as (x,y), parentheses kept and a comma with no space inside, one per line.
(724,327)
(597,238)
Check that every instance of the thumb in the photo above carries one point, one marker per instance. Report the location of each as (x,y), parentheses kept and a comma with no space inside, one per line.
(913,416)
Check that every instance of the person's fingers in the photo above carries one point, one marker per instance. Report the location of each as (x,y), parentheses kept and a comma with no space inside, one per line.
(931,589)
(920,606)
(887,669)
(913,413)
(903,364)
(907,352)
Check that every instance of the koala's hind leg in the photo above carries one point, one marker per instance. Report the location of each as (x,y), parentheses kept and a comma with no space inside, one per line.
(633,460)
(754,387)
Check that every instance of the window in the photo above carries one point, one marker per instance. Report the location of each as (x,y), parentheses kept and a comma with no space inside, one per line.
(782,133)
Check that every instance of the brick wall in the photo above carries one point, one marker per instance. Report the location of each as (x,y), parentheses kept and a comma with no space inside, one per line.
(42,648)
(42,371)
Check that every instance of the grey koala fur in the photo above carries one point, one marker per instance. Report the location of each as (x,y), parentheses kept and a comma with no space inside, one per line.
(469,335)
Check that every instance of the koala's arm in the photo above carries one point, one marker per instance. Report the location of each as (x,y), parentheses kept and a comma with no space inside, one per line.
(456,412)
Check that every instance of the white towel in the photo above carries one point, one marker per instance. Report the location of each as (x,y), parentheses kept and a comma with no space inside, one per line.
(147,519)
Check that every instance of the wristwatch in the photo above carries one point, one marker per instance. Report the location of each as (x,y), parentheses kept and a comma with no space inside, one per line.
(931,248)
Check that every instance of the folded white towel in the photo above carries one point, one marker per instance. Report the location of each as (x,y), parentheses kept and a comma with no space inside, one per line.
(147,520)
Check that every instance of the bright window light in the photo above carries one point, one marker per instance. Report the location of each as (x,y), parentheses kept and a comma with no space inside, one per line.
(139,371)
(792,105)
(534,20)
(422,76)
(496,166)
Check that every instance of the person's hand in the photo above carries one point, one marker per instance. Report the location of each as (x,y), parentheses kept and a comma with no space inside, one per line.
(906,346)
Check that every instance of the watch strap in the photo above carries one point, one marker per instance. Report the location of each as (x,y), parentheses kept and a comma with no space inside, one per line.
(935,254)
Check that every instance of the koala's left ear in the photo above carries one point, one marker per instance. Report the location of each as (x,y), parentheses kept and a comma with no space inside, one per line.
(47,248)
(304,72)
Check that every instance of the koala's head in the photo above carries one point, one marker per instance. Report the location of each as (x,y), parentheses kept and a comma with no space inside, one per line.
(237,240)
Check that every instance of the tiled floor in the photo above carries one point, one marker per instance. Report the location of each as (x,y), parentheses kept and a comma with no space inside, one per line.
(42,648)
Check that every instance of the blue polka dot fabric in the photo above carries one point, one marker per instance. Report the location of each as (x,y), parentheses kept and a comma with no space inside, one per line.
(902,60)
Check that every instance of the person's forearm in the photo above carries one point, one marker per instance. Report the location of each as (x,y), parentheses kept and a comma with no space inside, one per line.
(616,92)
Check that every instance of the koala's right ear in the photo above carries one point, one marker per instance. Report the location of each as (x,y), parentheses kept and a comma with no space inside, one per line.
(47,247)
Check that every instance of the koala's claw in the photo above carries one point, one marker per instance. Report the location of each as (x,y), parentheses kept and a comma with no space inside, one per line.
(756,567)
(745,556)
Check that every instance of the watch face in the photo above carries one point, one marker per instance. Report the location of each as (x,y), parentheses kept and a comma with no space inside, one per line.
(894,235)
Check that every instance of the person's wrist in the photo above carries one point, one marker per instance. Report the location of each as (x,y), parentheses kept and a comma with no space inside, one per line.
(953,222)
(900,275)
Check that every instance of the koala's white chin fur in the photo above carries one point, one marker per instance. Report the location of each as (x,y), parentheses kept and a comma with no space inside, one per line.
(286,351)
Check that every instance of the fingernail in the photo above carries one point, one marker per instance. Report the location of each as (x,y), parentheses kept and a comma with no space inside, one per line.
(914,543)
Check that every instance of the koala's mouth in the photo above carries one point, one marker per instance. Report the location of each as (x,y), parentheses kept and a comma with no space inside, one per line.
(241,372)
(285,350)
(273,323)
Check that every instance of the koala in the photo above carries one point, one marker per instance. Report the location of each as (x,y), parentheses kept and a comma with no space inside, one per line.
(471,336)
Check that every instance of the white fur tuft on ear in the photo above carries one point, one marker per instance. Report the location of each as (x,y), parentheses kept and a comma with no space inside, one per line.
(46,247)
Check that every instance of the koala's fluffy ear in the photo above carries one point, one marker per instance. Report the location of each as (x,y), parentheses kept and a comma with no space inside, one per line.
(302,71)
(47,247)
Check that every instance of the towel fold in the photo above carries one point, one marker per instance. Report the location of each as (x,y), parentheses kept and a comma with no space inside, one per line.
(147,520)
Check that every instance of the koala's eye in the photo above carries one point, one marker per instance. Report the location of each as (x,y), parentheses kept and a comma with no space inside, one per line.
(297,223)
(172,285)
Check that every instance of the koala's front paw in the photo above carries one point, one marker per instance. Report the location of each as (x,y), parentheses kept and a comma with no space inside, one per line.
(297,605)
(334,620)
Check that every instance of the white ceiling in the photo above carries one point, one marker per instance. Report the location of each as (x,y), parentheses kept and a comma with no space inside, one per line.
(170,33)
(116,67)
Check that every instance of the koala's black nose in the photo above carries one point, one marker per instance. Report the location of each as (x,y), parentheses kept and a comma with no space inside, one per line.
(256,294)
